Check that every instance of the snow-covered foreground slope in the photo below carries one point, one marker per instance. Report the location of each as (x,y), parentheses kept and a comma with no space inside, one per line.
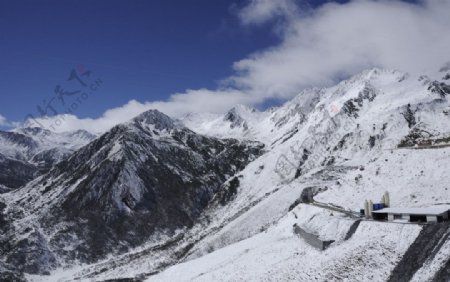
(278,254)
(348,147)
(379,131)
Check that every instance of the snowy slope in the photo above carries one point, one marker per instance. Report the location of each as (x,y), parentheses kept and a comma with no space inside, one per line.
(279,255)
(347,147)
(381,130)
(352,157)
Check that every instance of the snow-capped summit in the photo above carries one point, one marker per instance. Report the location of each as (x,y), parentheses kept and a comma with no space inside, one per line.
(156,120)
(239,122)
(43,139)
(395,89)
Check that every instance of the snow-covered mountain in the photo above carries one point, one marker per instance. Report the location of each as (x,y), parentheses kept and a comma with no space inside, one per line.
(240,122)
(378,131)
(153,200)
(28,152)
(143,179)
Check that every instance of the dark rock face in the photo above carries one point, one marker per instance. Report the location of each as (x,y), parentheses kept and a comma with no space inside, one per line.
(7,275)
(46,159)
(297,110)
(424,248)
(409,116)
(235,119)
(342,142)
(444,273)
(372,140)
(439,88)
(352,106)
(303,160)
(33,246)
(14,173)
(229,191)
(149,175)
(350,109)
(415,137)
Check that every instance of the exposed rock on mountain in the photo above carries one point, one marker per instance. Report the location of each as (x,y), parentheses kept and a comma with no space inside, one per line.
(147,177)
(14,173)
(29,152)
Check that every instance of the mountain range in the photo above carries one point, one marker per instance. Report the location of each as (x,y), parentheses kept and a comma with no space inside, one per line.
(214,197)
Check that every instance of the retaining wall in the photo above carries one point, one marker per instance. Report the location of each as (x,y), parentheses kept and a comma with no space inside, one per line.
(312,239)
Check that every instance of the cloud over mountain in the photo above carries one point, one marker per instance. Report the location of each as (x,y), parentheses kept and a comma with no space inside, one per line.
(2,120)
(318,47)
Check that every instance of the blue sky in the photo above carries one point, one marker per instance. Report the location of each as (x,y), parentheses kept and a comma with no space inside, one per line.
(141,50)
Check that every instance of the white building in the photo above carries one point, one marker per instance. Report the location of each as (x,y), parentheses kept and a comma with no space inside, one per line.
(431,214)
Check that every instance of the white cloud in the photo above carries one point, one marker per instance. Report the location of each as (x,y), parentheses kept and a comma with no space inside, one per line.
(340,40)
(317,47)
(2,120)
(178,105)
(5,123)
(259,11)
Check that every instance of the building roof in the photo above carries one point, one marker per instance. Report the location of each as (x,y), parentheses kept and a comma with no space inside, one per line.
(435,210)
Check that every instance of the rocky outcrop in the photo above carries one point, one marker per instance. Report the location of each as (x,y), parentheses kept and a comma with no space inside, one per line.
(439,88)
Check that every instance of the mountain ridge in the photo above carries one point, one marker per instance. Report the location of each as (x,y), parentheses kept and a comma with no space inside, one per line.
(142,177)
(231,202)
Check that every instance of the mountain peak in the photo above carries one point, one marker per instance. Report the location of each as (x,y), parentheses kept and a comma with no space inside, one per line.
(34,131)
(156,119)
(242,108)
